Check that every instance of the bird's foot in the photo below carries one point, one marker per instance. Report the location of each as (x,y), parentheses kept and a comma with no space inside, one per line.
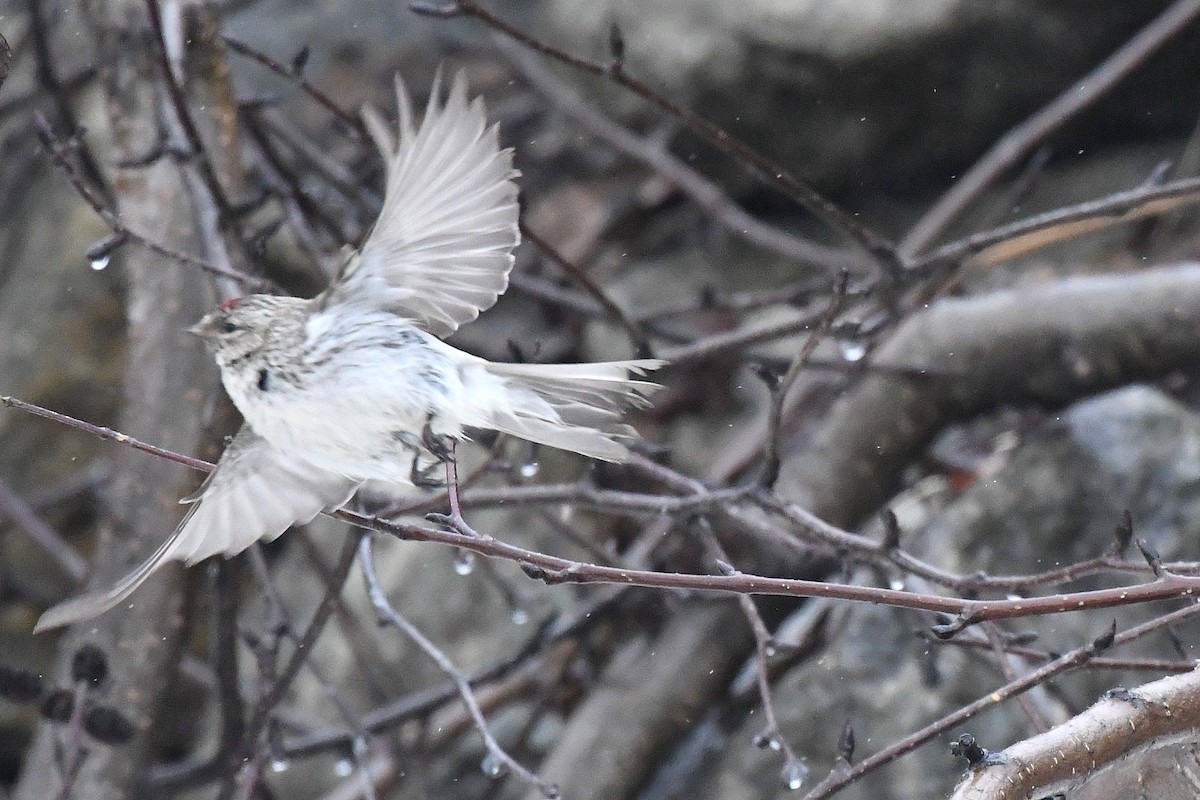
(440,445)
(425,477)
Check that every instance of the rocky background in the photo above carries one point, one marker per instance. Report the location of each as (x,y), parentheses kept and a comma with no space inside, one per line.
(1021,399)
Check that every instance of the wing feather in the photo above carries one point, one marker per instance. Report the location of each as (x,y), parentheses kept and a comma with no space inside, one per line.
(442,248)
(252,494)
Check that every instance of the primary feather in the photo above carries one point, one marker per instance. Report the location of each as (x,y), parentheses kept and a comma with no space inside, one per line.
(442,248)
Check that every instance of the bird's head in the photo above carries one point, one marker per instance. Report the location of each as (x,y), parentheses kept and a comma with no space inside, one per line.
(243,326)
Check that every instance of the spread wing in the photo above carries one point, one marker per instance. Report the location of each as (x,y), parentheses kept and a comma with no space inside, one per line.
(252,494)
(442,248)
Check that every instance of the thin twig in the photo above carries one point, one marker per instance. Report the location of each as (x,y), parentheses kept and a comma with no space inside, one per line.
(1024,235)
(387,614)
(779,392)
(636,334)
(1074,659)
(266,704)
(876,245)
(794,768)
(22,514)
(352,122)
(553,569)
(708,196)
(183,116)
(58,153)
(1029,134)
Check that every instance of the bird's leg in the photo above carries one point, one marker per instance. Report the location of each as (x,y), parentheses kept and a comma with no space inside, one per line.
(454,520)
(452,483)
(442,447)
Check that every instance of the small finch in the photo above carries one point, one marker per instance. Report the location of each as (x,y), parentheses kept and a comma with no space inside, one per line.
(356,384)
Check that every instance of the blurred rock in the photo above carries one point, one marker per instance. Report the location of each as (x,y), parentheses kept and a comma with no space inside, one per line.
(856,94)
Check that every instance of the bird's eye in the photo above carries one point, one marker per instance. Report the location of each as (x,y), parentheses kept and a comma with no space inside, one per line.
(228,327)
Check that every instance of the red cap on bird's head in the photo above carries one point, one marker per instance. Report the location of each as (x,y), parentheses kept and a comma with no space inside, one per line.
(229,304)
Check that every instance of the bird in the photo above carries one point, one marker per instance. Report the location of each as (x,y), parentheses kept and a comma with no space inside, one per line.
(356,384)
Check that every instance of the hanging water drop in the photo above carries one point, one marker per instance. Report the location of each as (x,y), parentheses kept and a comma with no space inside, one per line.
(530,469)
(464,562)
(98,254)
(520,616)
(851,350)
(279,764)
(492,766)
(795,772)
(343,767)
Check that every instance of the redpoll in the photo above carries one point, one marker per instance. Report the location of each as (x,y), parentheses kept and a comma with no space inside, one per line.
(356,384)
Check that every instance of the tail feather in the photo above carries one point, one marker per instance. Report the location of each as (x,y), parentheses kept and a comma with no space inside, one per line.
(603,385)
(576,407)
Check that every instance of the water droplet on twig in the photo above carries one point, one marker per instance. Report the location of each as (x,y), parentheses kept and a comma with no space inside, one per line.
(795,772)
(464,562)
(492,766)
(851,350)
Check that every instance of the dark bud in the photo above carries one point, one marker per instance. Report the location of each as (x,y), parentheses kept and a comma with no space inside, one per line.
(891,530)
(300,60)
(966,747)
(57,704)
(764,741)
(89,665)
(616,46)
(108,725)
(1106,639)
(845,745)
(441,520)
(1124,533)
(725,568)
(533,571)
(1152,557)
(708,296)
(948,630)
(105,247)
(19,685)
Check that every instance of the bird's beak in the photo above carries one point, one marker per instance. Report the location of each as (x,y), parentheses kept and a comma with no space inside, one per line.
(205,328)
